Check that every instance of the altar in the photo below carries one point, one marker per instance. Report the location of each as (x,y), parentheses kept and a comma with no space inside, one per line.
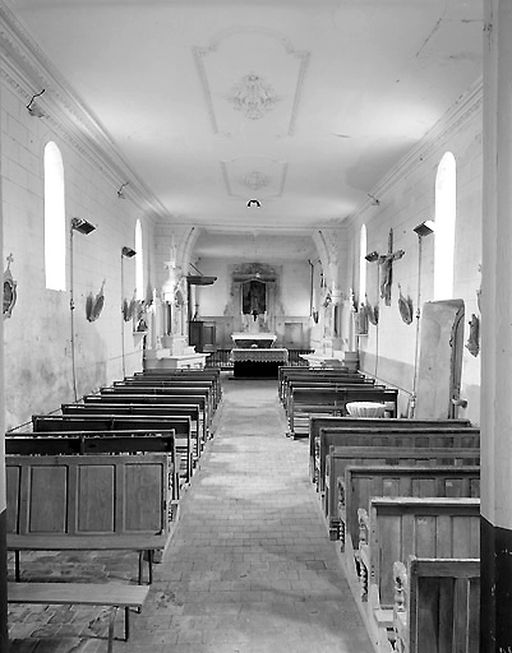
(260,340)
(258,361)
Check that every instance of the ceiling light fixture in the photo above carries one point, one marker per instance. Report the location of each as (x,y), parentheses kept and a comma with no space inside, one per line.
(255,203)
(33,107)
(372,256)
(425,228)
(128,252)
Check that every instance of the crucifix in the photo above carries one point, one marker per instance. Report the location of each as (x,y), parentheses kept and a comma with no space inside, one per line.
(386,261)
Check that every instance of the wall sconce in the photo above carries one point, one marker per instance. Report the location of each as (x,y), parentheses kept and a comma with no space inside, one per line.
(126,252)
(33,107)
(425,228)
(83,227)
(422,230)
(372,257)
(120,192)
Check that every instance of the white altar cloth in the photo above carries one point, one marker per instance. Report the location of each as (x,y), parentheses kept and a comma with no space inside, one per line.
(261,340)
(254,355)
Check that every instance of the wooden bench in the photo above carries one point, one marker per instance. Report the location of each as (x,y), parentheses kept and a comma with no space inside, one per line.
(191,384)
(362,483)
(340,458)
(317,422)
(112,411)
(113,595)
(409,436)
(203,424)
(324,380)
(287,373)
(397,528)
(88,502)
(72,442)
(107,423)
(437,605)
(307,401)
(210,374)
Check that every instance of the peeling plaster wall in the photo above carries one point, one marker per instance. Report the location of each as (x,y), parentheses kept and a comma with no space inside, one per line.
(37,336)
(407,199)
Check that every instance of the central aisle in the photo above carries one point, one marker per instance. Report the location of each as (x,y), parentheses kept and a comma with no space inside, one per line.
(250,568)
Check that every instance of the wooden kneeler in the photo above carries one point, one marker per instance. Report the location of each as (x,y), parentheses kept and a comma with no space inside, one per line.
(114,595)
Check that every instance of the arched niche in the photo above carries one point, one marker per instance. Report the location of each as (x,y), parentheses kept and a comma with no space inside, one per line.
(255,287)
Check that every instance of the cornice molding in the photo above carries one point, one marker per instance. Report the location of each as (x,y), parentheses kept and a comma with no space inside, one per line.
(26,69)
(463,110)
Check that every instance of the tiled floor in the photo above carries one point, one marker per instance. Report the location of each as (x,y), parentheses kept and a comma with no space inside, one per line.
(250,568)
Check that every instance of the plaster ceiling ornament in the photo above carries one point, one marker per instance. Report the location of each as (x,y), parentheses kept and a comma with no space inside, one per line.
(253,96)
(255,180)
(256,48)
(262,174)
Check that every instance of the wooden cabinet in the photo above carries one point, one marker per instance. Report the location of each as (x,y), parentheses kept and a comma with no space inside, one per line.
(202,335)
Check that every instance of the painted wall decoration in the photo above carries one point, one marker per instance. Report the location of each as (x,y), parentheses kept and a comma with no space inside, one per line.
(405,306)
(94,305)
(10,289)
(473,341)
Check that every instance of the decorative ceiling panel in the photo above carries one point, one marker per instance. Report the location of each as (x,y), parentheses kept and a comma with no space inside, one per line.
(248,176)
(252,78)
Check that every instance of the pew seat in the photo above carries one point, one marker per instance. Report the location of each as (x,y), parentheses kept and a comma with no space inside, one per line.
(112,595)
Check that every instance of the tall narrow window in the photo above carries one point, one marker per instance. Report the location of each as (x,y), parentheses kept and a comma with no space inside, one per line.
(139,262)
(445,216)
(54,219)
(363,246)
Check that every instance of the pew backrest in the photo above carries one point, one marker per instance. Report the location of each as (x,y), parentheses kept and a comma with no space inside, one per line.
(83,495)
(428,528)
(364,482)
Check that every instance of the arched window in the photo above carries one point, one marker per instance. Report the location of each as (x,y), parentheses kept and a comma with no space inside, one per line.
(139,262)
(54,219)
(445,216)
(363,247)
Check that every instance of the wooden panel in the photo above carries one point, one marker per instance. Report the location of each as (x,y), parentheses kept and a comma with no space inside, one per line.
(13,480)
(95,498)
(143,489)
(48,499)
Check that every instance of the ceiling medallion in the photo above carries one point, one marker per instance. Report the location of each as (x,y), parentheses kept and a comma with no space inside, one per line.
(253,96)
(255,180)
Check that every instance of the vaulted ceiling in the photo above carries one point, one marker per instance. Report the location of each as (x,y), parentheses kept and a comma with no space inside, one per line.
(301,104)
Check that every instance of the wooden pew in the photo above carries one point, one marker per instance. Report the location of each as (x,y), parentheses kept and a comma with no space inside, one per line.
(287,373)
(333,401)
(341,457)
(88,502)
(183,392)
(324,380)
(203,425)
(318,422)
(437,605)
(211,374)
(68,442)
(404,436)
(133,405)
(397,528)
(191,384)
(113,417)
(361,483)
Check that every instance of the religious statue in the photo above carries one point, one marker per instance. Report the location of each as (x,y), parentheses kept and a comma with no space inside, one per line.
(386,263)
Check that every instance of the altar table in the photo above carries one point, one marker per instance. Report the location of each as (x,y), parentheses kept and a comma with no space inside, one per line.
(258,362)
